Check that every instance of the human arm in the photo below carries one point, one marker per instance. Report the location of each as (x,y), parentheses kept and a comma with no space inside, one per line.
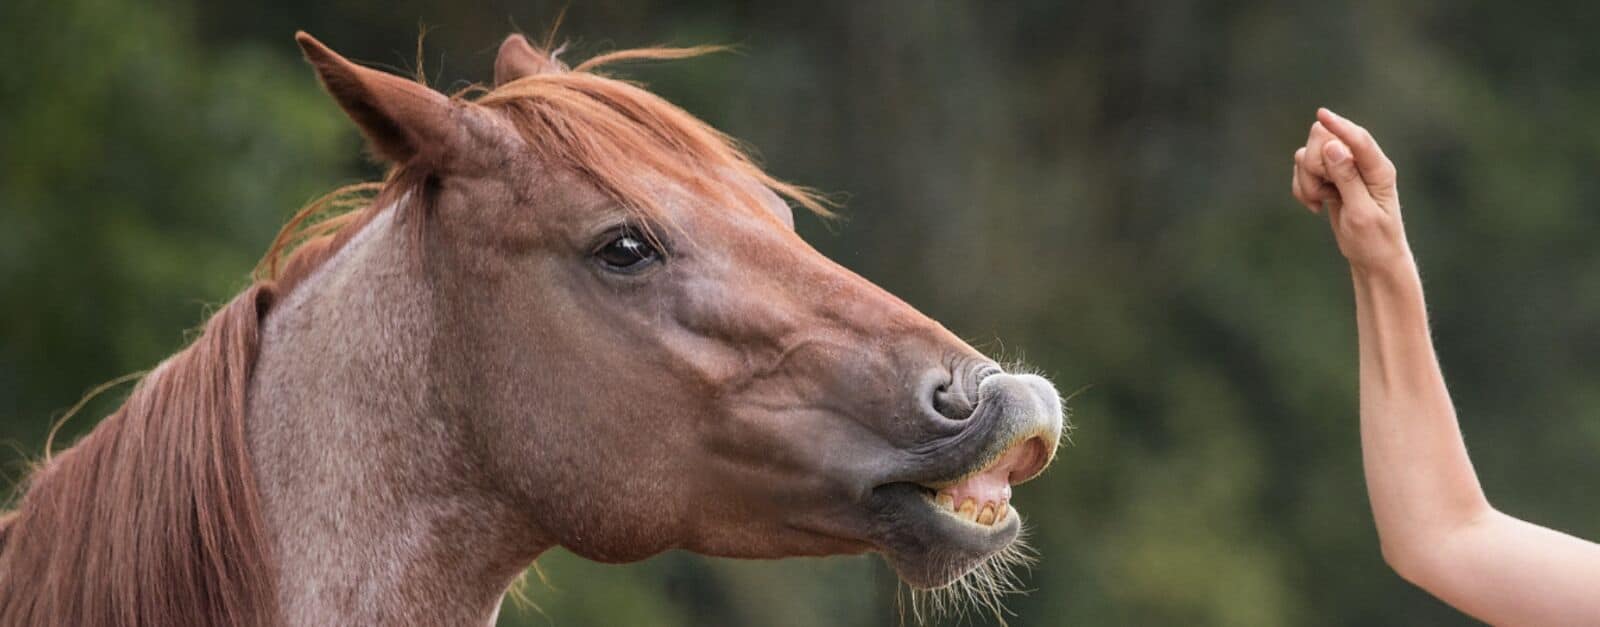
(1434,523)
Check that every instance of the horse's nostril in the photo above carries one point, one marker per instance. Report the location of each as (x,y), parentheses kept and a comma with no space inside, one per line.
(951,401)
(952,392)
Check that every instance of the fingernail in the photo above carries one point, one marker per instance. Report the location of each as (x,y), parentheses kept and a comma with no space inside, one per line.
(1337,152)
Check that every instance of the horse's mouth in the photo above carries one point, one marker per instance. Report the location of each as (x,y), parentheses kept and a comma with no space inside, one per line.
(983,497)
(935,531)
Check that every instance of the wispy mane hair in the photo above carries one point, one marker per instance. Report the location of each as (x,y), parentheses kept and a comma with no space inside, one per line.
(154,517)
(611,131)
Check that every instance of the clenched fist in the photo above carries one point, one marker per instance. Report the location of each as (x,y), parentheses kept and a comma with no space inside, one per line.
(1341,169)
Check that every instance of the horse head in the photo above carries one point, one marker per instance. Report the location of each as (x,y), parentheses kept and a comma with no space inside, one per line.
(652,358)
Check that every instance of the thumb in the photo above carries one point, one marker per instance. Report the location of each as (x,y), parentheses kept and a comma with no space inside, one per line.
(1341,166)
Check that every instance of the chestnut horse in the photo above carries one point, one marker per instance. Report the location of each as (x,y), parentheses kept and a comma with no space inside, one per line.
(572,315)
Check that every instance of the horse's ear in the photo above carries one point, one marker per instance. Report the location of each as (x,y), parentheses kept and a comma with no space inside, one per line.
(518,59)
(401,117)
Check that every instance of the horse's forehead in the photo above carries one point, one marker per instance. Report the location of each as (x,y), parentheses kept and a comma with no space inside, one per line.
(727,193)
(501,145)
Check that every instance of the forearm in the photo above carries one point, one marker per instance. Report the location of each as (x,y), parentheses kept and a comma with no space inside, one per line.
(1437,529)
(1419,478)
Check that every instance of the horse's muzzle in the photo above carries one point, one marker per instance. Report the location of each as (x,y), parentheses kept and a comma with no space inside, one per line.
(950,509)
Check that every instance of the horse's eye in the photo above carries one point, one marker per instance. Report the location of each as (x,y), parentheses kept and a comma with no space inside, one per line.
(627,251)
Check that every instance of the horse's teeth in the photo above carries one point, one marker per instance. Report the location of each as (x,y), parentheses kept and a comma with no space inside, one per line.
(991,513)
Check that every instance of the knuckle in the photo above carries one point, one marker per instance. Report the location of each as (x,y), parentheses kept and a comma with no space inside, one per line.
(1386,169)
(1365,219)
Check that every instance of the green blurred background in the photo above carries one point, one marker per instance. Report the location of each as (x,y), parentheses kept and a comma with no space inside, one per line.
(1099,188)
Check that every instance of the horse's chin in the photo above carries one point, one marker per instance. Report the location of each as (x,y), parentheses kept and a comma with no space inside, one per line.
(929,545)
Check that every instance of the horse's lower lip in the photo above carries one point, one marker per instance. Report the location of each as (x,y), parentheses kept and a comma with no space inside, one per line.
(922,502)
(922,543)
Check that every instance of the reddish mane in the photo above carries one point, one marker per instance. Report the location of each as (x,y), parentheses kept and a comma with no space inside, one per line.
(153,518)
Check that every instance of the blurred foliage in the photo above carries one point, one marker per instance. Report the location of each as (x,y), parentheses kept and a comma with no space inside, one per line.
(1098,188)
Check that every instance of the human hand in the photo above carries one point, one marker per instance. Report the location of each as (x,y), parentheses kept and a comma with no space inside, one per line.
(1341,168)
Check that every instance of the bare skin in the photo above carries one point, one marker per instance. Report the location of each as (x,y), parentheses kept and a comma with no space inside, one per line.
(1437,528)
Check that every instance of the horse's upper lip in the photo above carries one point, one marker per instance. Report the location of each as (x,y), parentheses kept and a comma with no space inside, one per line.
(1020,468)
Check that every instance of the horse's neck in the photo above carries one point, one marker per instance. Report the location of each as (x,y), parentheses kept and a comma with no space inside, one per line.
(376,514)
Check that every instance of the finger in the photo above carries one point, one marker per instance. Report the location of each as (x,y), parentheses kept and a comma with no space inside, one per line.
(1344,173)
(1313,188)
(1294,179)
(1294,186)
(1327,191)
(1319,192)
(1315,139)
(1374,165)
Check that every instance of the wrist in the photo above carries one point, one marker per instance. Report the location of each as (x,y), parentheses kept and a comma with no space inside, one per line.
(1399,268)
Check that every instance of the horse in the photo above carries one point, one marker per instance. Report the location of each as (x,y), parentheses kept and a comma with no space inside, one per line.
(571,314)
